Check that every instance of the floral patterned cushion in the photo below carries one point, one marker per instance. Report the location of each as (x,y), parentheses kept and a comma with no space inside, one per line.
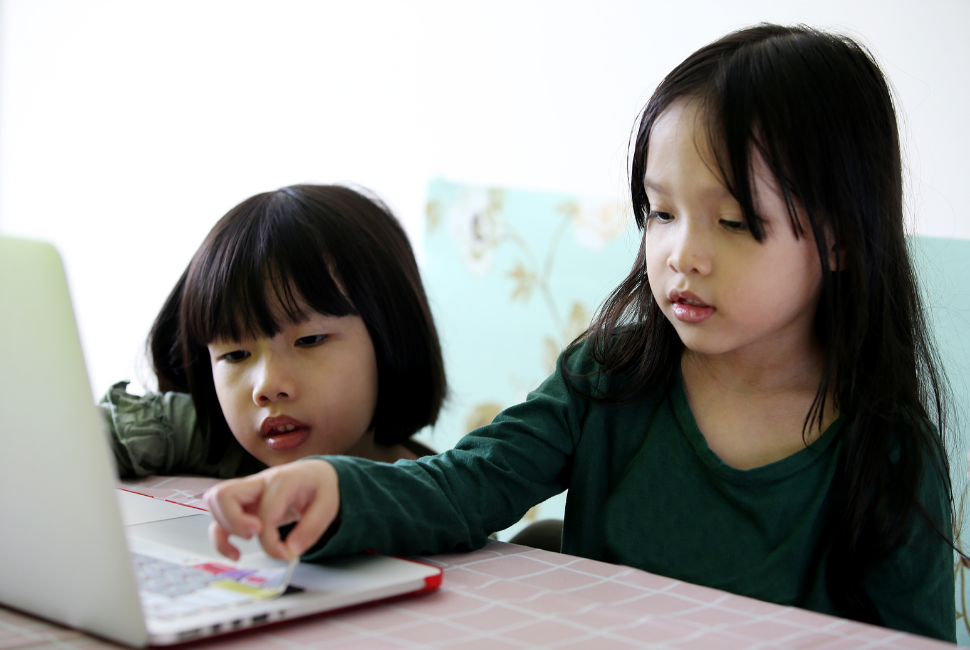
(513,276)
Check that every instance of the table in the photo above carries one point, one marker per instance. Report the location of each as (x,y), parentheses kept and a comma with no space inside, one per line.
(509,596)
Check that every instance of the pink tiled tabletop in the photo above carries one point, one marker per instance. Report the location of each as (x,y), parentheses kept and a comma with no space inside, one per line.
(508,596)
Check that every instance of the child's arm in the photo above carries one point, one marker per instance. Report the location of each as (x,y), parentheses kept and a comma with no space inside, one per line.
(305,492)
(442,503)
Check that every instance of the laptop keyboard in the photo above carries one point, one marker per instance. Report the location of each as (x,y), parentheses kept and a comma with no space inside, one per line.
(169,579)
(169,590)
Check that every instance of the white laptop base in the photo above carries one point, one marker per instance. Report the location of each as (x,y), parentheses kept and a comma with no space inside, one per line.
(64,554)
(178,533)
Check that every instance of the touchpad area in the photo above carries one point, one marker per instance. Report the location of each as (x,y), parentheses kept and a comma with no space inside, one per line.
(188,533)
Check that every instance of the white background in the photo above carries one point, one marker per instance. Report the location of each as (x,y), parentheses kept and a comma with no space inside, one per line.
(128,128)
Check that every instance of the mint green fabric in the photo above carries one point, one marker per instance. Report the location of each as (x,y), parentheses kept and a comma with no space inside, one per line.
(160,434)
(943,265)
(513,275)
(646,491)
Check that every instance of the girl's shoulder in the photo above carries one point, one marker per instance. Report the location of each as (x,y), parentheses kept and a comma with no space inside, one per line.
(610,368)
(161,433)
(419,449)
(127,413)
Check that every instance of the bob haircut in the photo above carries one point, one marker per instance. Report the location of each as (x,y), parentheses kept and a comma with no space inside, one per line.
(816,107)
(321,247)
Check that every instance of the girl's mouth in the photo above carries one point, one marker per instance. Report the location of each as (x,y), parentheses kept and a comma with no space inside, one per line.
(284,432)
(288,440)
(688,308)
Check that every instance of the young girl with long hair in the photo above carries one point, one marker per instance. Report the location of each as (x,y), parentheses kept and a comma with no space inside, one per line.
(757,406)
(300,327)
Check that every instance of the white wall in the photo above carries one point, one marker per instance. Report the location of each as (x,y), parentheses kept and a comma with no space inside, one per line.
(127,128)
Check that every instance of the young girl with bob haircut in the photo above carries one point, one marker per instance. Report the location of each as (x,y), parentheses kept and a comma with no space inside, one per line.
(757,406)
(300,327)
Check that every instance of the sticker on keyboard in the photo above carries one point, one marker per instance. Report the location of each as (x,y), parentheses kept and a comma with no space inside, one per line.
(170,589)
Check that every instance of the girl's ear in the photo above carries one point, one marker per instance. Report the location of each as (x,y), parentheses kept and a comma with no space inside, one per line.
(836,252)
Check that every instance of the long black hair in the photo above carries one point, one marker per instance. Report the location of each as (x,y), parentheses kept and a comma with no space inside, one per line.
(328,247)
(818,110)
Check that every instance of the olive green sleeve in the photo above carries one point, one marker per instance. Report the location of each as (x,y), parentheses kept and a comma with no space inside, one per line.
(161,434)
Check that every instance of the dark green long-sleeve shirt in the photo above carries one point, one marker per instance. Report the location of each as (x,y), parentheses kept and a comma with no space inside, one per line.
(646,491)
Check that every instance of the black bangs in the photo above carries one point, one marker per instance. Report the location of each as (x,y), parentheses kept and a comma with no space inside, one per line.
(263,266)
(752,105)
(775,111)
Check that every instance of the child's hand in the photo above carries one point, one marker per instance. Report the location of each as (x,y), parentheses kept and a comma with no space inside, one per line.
(305,491)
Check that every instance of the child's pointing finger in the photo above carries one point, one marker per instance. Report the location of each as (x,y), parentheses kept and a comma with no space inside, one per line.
(304,492)
(232,505)
(320,511)
(219,538)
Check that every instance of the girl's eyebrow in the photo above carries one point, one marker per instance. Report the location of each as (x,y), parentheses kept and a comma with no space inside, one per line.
(226,343)
(311,314)
(716,192)
(653,185)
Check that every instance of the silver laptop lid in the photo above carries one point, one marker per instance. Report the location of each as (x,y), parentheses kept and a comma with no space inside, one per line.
(63,554)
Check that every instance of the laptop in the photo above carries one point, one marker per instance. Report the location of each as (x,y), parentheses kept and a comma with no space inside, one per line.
(74,548)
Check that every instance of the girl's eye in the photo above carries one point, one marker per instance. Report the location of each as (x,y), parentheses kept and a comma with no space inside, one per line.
(310,341)
(662,217)
(734,226)
(235,356)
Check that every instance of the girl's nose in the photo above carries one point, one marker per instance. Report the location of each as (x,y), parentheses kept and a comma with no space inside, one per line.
(691,253)
(273,382)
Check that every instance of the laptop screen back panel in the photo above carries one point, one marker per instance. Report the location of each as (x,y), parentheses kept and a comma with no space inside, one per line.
(63,554)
